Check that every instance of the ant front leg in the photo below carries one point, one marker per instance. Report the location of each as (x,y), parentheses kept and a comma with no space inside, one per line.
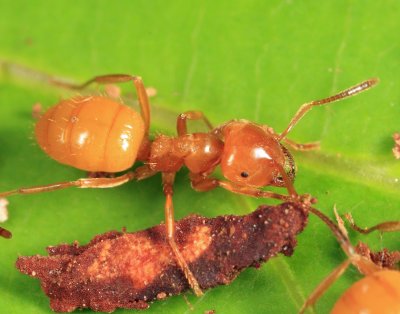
(119,78)
(168,181)
(203,184)
(181,123)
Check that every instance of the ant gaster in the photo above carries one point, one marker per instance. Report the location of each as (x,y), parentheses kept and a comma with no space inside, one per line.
(97,134)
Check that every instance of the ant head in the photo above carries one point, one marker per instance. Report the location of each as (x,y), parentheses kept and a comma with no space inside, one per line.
(252,155)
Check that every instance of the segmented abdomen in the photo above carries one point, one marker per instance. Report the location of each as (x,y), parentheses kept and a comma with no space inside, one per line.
(91,133)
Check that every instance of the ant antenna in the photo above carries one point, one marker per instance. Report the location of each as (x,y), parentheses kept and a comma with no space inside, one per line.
(352,91)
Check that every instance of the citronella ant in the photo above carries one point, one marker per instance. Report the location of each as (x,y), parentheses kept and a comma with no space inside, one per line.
(98,134)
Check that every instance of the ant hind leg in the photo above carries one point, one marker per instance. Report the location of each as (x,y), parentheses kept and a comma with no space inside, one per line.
(102,182)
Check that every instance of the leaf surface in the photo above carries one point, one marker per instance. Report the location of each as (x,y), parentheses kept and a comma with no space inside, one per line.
(255,60)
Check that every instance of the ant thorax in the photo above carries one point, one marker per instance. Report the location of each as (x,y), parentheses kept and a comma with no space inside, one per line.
(199,152)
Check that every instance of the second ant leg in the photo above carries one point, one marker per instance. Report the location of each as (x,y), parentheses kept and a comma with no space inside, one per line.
(181,122)
(168,180)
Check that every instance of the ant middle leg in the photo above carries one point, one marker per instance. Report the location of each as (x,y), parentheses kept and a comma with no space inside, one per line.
(168,181)
(181,122)
(118,78)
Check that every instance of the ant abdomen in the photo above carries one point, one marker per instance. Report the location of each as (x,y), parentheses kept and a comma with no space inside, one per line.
(91,133)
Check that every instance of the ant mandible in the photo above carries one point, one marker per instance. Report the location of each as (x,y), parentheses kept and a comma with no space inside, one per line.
(97,134)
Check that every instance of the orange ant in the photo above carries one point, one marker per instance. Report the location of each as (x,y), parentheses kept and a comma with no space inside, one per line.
(97,134)
(379,290)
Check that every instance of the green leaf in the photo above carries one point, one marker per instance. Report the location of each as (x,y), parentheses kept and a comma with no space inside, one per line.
(255,60)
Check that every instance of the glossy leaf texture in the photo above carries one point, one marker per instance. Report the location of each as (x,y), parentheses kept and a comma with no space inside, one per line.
(255,60)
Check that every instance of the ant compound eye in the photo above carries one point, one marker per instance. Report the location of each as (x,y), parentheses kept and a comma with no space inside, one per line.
(279,180)
(244,174)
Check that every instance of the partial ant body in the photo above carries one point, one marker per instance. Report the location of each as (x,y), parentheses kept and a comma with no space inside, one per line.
(379,290)
(97,134)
